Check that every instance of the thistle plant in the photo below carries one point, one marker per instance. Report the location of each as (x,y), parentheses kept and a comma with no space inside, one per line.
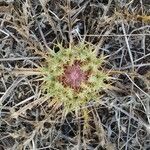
(74,76)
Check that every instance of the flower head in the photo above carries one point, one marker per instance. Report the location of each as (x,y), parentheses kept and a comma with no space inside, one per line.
(73,77)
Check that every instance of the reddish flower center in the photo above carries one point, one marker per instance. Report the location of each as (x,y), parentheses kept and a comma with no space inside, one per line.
(73,76)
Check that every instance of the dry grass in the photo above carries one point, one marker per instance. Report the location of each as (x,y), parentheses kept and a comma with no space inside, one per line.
(29,30)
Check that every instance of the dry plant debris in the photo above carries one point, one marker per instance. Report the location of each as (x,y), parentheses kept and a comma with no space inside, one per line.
(116,118)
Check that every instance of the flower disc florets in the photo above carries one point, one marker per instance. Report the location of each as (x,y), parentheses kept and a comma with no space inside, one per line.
(73,76)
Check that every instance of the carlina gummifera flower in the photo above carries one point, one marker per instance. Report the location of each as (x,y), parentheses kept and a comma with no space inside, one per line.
(74,76)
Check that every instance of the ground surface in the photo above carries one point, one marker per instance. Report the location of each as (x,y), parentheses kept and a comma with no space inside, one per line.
(119,29)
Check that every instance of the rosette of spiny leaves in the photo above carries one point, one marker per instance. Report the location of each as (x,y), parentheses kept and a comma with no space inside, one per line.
(74,76)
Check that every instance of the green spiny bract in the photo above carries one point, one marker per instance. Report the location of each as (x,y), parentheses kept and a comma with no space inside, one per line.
(74,76)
